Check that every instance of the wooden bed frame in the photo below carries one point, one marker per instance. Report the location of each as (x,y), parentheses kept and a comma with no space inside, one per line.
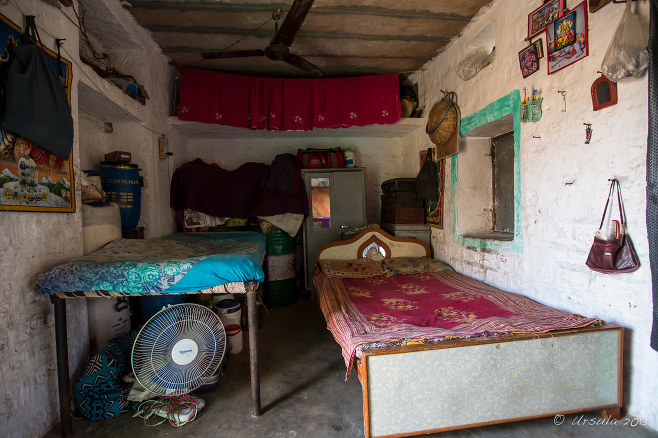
(420,389)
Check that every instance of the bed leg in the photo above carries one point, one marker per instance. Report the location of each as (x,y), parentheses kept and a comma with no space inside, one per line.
(63,381)
(611,413)
(252,311)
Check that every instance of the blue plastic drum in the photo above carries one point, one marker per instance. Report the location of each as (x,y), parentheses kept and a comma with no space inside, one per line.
(122,184)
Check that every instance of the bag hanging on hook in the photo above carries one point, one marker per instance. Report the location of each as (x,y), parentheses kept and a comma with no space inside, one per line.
(426,182)
(614,254)
(37,107)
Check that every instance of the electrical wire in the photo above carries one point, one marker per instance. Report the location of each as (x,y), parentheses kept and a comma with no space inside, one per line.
(171,408)
(231,45)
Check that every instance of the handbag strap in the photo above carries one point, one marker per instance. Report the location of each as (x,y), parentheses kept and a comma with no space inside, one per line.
(31,31)
(622,212)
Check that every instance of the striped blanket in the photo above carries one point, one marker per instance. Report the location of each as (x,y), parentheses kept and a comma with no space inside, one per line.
(429,307)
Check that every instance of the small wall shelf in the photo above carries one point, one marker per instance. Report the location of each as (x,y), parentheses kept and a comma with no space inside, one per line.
(198,130)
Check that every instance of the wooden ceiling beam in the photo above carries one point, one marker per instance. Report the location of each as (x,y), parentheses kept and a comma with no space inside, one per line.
(322,35)
(248,8)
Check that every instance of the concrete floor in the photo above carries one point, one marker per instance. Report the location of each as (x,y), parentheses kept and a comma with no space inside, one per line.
(305,395)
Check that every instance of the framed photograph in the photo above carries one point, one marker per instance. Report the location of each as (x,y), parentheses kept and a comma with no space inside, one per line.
(595,5)
(31,178)
(528,61)
(539,48)
(546,13)
(567,39)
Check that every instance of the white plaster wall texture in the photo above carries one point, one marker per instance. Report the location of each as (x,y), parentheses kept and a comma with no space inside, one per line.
(563,185)
(34,241)
(382,158)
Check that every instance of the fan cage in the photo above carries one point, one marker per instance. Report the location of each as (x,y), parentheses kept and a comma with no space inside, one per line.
(152,354)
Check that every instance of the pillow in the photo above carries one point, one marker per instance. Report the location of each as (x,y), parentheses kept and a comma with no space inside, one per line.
(359,268)
(414,265)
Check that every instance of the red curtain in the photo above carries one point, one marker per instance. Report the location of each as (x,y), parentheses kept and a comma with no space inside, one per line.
(288,104)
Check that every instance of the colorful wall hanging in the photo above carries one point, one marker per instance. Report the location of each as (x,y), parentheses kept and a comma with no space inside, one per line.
(529,60)
(434,209)
(567,39)
(546,13)
(31,178)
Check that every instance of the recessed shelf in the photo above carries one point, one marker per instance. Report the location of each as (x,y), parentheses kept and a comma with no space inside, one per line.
(196,130)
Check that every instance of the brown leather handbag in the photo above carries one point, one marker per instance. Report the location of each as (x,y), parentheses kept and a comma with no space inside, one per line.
(614,254)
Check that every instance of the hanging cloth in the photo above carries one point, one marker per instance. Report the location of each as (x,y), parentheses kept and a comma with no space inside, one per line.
(36,105)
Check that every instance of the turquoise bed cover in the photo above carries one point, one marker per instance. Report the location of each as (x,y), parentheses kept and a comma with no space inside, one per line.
(180,263)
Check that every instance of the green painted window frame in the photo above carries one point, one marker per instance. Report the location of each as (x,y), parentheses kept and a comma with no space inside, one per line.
(503,106)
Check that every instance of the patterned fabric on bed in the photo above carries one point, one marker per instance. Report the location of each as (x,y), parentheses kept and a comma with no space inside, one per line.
(414,265)
(358,268)
(174,264)
(426,307)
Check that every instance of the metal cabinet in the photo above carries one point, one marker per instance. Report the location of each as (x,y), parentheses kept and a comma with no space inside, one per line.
(337,204)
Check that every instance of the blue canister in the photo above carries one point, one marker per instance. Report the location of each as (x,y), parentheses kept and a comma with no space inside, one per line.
(122,184)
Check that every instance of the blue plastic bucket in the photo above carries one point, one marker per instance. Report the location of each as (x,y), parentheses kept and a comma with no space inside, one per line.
(122,184)
(147,306)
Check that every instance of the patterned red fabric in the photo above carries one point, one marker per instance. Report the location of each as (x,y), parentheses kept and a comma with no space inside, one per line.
(288,104)
(426,308)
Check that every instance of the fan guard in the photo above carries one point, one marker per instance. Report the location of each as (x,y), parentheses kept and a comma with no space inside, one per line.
(178,349)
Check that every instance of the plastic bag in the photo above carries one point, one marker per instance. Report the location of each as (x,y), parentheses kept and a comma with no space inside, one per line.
(470,66)
(627,56)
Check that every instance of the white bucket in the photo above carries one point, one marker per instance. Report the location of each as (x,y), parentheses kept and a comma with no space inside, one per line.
(229,312)
(234,335)
(108,318)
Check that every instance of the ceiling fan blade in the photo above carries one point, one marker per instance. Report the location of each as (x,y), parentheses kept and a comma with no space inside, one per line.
(303,64)
(233,54)
(293,21)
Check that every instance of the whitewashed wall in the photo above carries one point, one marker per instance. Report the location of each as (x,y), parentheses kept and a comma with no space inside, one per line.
(32,242)
(381,157)
(563,185)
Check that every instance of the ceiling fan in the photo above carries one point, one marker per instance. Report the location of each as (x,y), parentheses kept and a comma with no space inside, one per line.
(279,47)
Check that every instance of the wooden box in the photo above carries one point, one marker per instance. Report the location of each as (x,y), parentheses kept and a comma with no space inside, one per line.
(401,199)
(399,185)
(403,215)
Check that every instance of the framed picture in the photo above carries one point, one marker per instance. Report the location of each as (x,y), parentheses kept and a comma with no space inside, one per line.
(434,210)
(31,178)
(604,93)
(567,39)
(595,5)
(539,48)
(546,13)
(528,61)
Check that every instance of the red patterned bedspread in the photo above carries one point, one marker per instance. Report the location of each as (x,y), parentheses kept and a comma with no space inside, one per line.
(428,307)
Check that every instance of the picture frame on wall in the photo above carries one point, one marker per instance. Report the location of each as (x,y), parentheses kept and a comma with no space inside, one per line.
(31,178)
(550,11)
(539,48)
(567,39)
(528,60)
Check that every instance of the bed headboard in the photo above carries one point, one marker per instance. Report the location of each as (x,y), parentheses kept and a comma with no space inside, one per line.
(357,247)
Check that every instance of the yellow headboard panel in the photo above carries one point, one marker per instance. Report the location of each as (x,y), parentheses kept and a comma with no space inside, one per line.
(357,247)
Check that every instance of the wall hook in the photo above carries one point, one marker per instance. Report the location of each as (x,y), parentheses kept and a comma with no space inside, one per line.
(564,101)
(588,132)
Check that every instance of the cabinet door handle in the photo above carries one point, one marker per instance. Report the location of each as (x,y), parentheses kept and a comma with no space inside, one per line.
(344,227)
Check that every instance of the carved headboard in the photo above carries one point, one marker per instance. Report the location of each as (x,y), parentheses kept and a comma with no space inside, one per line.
(387,245)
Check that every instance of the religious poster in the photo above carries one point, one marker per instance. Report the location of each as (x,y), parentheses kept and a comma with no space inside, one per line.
(32,178)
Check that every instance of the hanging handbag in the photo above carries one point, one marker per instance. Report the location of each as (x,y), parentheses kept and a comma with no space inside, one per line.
(36,105)
(612,255)
(426,182)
